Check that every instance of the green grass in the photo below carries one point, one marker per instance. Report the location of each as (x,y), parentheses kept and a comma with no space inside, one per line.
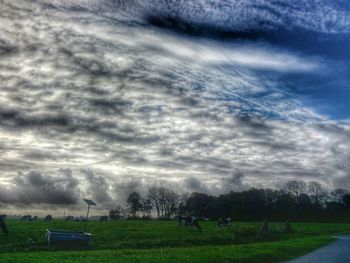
(251,253)
(152,241)
(124,234)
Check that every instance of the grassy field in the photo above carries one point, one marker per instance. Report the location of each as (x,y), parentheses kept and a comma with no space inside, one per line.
(152,241)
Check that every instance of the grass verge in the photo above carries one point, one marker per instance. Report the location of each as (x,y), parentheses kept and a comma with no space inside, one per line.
(267,252)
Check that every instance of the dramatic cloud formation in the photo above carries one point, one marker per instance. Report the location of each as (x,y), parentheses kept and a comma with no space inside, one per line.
(119,103)
(98,189)
(34,188)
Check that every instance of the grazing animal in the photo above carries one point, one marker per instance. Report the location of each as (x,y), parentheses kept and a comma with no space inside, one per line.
(224,222)
(183,220)
(188,221)
(48,218)
(26,218)
(103,219)
(69,218)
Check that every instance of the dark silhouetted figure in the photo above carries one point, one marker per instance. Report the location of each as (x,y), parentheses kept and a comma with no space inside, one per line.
(103,219)
(48,218)
(34,218)
(26,218)
(3,225)
(69,218)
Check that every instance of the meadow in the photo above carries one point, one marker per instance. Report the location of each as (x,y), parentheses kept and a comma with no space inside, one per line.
(164,241)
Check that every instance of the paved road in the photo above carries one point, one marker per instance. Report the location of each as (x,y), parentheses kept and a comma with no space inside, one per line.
(336,252)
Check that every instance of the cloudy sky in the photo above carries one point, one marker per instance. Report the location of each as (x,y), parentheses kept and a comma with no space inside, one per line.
(103,97)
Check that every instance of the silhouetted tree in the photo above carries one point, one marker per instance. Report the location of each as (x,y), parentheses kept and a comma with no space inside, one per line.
(146,207)
(168,202)
(154,196)
(198,204)
(134,204)
(338,194)
(318,194)
(115,214)
(253,203)
(164,200)
(304,201)
(292,203)
(296,188)
(346,201)
(183,205)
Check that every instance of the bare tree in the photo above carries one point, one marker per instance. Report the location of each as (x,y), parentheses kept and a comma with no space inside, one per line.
(154,196)
(146,207)
(164,200)
(170,202)
(318,194)
(296,188)
(134,204)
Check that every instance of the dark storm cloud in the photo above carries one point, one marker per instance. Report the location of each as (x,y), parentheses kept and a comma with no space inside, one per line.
(110,105)
(70,123)
(234,182)
(98,188)
(34,188)
(18,119)
(128,186)
(231,181)
(6,49)
(193,184)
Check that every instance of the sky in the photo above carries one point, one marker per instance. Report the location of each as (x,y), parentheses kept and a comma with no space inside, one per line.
(102,98)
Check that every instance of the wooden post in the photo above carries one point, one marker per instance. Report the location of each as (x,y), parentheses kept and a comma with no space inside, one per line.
(263,230)
(288,228)
(87,216)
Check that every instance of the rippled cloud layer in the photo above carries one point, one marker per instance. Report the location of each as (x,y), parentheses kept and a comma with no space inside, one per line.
(96,101)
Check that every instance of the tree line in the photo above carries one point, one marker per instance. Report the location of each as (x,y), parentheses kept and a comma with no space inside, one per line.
(296,200)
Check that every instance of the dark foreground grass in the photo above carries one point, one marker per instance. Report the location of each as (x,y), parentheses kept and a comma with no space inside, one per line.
(250,253)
